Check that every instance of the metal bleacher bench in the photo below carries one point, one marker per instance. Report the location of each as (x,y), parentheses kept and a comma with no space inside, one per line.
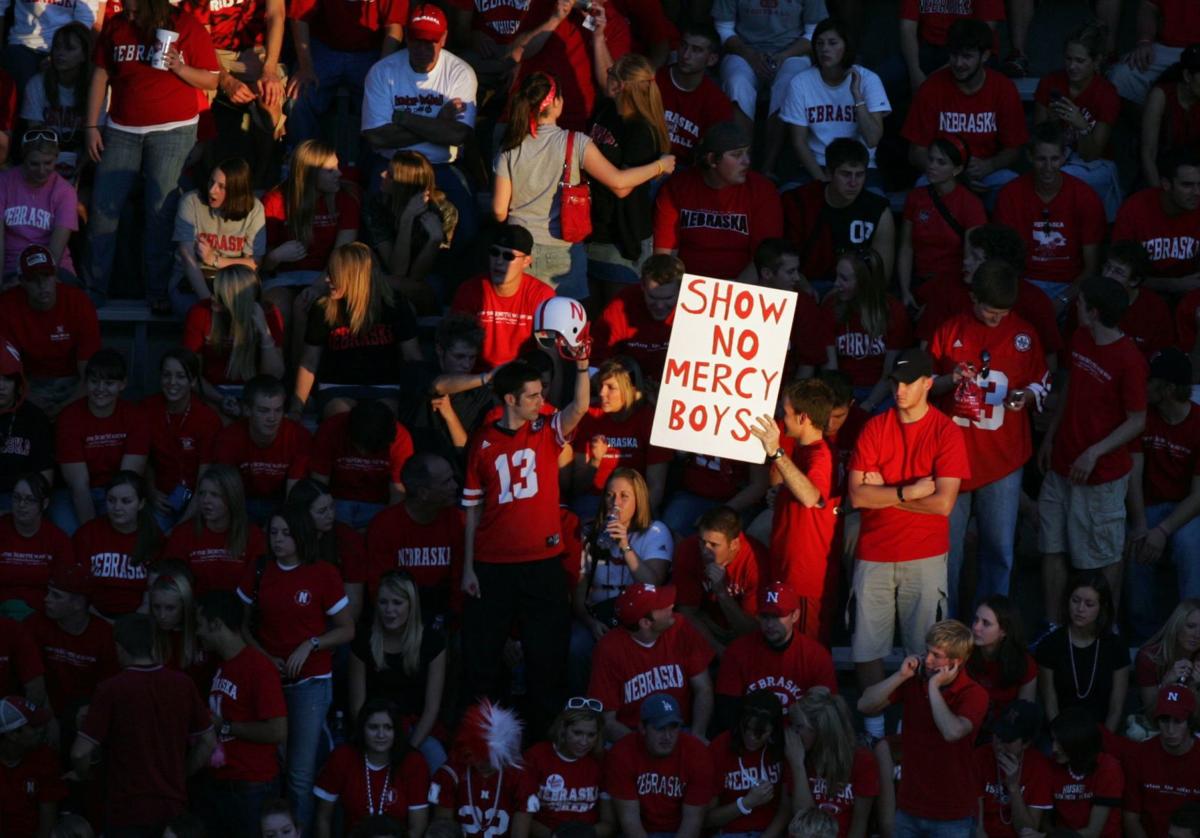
(136,313)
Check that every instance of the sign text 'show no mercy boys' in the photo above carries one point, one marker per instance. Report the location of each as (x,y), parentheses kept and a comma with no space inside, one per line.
(724,367)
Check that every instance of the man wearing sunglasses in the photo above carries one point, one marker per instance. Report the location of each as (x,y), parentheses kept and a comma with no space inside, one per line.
(504,300)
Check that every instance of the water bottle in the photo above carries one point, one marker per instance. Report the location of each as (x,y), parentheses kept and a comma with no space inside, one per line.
(604,539)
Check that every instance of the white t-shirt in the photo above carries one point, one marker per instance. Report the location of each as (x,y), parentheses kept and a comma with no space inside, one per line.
(651,544)
(392,84)
(36,21)
(828,112)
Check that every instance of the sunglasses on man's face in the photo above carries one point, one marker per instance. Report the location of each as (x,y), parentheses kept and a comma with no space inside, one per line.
(503,253)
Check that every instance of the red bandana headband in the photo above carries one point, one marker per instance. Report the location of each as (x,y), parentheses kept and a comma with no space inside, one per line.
(545,103)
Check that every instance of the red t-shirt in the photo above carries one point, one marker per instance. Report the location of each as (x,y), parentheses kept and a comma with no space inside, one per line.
(358,475)
(1074,797)
(214,357)
(499,21)
(179,444)
(482,805)
(1149,321)
(431,553)
(1098,101)
(232,24)
(100,443)
(993,790)
(118,582)
(1104,384)
(860,354)
(662,786)
(690,113)
(1158,783)
(735,774)
(1179,24)
(812,334)
(25,562)
(1173,241)
(999,441)
(839,801)
(626,328)
(364,789)
(937,248)
(801,536)
(624,672)
(294,604)
(143,97)
(1172,456)
(514,476)
(742,577)
(53,343)
(749,664)
(265,471)
(350,26)
(19,659)
(75,663)
(1055,231)
(902,452)
(207,555)
(929,759)
(1000,695)
(24,787)
(716,231)
(628,441)
(246,688)
(934,17)
(944,298)
(146,717)
(989,120)
(1185,320)
(507,321)
(567,789)
(325,224)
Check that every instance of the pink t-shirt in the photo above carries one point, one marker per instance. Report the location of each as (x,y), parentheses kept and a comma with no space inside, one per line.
(31,214)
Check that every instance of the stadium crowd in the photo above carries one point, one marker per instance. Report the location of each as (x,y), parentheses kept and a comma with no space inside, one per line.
(389,552)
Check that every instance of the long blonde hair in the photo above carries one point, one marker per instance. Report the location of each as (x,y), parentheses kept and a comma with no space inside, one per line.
(870,298)
(237,289)
(641,97)
(177,583)
(399,583)
(300,188)
(1164,645)
(352,270)
(833,743)
(227,480)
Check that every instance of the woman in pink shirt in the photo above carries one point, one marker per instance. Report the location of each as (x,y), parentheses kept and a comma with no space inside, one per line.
(40,206)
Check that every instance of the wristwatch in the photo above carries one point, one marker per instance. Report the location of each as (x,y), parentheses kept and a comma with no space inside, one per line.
(315,642)
(226,730)
(779,452)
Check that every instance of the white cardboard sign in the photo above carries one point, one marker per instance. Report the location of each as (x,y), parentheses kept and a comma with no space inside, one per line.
(724,367)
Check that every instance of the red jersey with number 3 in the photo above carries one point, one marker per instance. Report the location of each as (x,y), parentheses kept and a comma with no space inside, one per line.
(513,475)
(999,441)
(482,805)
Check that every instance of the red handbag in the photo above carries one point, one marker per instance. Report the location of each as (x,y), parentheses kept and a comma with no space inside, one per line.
(575,212)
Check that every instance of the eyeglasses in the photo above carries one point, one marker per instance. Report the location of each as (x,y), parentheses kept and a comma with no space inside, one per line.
(24,500)
(580,702)
(986,358)
(502,253)
(34,135)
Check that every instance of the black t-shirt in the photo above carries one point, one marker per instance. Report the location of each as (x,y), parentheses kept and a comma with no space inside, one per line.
(26,443)
(1078,686)
(380,224)
(370,357)
(626,143)
(408,691)
(822,232)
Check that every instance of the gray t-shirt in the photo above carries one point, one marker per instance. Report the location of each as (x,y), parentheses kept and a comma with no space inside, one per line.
(770,27)
(535,168)
(236,239)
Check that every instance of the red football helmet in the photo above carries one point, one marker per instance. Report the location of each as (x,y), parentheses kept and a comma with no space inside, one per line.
(562,323)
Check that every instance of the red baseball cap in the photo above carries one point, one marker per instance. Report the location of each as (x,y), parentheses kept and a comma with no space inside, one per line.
(426,23)
(777,600)
(639,600)
(71,578)
(36,261)
(16,712)
(1176,701)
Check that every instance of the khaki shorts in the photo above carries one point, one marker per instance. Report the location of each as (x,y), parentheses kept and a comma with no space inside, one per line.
(246,66)
(1085,522)
(913,592)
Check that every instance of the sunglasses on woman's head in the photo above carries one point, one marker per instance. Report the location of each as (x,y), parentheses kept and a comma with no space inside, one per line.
(35,135)
(580,702)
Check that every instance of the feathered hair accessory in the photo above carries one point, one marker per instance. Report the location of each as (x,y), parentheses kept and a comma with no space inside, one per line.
(489,733)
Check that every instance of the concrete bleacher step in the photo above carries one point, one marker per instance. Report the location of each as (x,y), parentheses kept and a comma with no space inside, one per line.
(136,313)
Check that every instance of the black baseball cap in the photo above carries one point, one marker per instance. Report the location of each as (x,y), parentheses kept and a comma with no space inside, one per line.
(1172,366)
(1020,720)
(912,364)
(515,237)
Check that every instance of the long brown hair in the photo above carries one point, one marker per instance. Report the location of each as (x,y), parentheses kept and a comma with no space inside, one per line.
(227,481)
(300,188)
(239,188)
(870,292)
(641,98)
(412,174)
(149,15)
(525,107)
(237,289)
(50,81)
(352,270)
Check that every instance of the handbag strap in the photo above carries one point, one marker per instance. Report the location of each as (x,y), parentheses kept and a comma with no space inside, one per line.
(566,173)
(944,211)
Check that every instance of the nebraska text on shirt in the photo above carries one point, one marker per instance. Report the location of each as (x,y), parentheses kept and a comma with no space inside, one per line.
(116,566)
(488,5)
(23,216)
(737,221)
(829,113)
(555,797)
(654,783)
(968,123)
(947,7)
(423,557)
(689,130)
(659,679)
(125,53)
(224,686)
(18,446)
(1171,247)
(224,243)
(820,788)
(744,779)
(1073,791)
(776,683)
(860,345)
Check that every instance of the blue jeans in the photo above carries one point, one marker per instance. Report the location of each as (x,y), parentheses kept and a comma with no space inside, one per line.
(62,509)
(579,658)
(1183,551)
(158,157)
(233,808)
(334,68)
(995,507)
(356,513)
(434,753)
(307,705)
(683,509)
(908,826)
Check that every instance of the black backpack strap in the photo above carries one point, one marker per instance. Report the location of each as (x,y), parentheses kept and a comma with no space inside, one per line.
(944,211)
